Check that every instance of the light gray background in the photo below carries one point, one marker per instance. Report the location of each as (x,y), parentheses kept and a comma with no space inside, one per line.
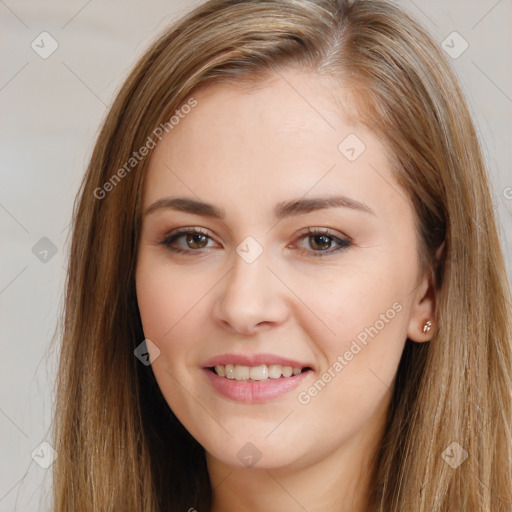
(51,110)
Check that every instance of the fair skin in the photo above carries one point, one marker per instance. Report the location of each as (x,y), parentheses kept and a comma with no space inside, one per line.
(245,151)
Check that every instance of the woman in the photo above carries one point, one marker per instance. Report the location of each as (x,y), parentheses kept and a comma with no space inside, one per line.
(286,289)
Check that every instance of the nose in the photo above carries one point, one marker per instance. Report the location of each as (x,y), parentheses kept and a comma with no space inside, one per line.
(252,298)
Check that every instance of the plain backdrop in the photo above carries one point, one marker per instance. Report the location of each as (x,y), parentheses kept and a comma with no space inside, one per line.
(51,109)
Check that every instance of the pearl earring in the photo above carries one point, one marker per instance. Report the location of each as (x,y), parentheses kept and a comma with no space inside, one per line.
(427,326)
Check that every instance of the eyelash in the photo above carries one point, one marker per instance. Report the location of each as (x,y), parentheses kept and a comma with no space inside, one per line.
(343,244)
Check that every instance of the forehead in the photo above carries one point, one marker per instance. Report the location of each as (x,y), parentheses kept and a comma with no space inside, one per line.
(283,138)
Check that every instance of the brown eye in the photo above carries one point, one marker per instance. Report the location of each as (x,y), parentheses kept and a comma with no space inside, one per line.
(321,241)
(186,240)
(196,240)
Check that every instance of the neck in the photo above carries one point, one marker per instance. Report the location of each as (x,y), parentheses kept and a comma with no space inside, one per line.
(338,481)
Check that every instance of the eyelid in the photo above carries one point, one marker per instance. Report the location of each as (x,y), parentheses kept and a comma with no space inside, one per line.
(174,234)
(343,241)
(325,231)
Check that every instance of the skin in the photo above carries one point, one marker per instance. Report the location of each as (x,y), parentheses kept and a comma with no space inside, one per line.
(245,151)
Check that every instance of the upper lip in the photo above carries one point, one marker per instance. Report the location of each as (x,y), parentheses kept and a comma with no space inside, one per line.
(253,360)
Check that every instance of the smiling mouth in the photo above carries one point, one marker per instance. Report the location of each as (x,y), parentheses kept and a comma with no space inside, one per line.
(256,373)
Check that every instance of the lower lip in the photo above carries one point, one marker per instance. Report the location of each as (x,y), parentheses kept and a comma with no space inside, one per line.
(255,392)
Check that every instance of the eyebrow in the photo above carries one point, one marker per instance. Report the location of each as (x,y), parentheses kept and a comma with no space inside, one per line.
(281,210)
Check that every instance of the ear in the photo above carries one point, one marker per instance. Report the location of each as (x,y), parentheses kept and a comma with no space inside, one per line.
(423,307)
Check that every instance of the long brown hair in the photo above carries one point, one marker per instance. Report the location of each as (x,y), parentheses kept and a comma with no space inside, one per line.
(119,445)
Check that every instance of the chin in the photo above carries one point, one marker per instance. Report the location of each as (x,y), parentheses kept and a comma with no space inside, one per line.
(260,454)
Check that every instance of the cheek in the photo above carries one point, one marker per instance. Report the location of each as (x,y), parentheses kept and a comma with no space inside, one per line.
(158,305)
(170,309)
(366,312)
(166,297)
(172,305)
(354,386)
(357,300)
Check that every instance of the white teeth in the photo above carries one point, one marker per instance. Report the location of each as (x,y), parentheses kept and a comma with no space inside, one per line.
(261,372)
(230,371)
(241,372)
(287,371)
(258,372)
(274,371)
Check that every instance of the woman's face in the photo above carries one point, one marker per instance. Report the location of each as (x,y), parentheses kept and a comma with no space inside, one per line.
(254,293)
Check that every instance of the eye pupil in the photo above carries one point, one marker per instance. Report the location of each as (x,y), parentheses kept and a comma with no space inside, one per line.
(192,238)
(322,245)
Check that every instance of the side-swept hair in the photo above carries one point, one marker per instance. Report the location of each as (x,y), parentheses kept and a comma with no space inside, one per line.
(119,445)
